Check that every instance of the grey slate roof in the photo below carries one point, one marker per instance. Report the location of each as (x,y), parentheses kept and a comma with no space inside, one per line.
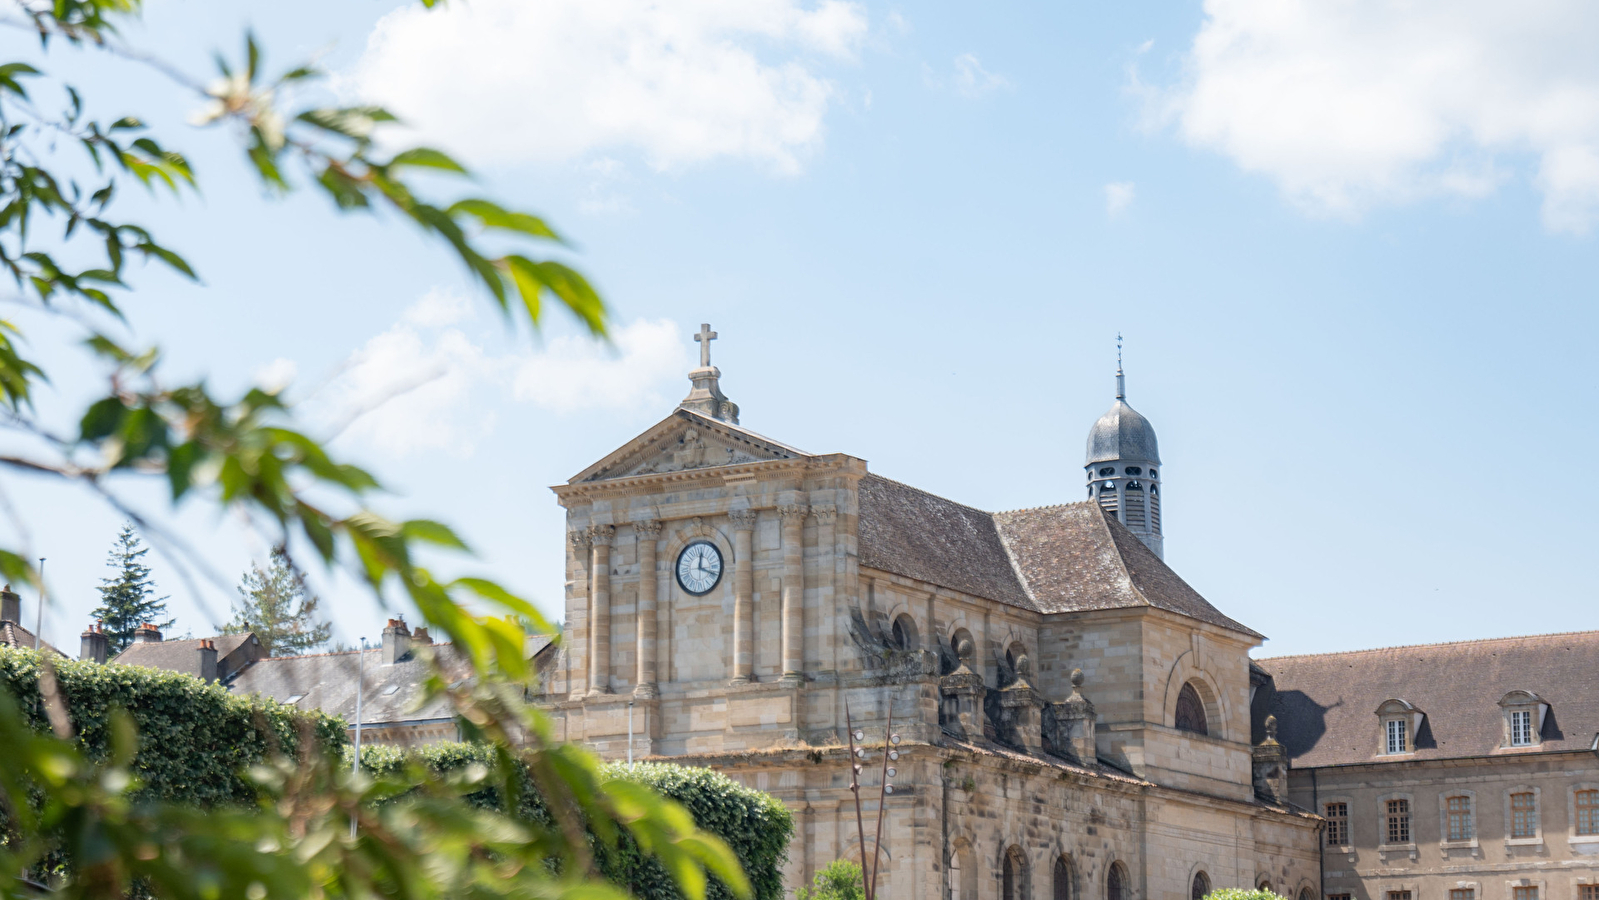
(14,635)
(1326,704)
(327,681)
(177,656)
(1122,433)
(1052,559)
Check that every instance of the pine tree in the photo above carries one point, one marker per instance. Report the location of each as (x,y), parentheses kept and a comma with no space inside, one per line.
(128,600)
(274,606)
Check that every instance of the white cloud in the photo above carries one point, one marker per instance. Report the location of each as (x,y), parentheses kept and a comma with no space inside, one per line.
(1347,105)
(575,373)
(682,81)
(1118,196)
(972,80)
(276,375)
(424,384)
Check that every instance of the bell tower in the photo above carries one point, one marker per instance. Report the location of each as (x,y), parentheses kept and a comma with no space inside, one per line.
(1123,466)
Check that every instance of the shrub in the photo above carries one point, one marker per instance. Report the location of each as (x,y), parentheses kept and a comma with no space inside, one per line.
(195,739)
(1242,894)
(840,880)
(756,825)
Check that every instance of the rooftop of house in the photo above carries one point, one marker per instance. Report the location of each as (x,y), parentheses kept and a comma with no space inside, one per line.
(1326,704)
(389,693)
(181,655)
(1053,559)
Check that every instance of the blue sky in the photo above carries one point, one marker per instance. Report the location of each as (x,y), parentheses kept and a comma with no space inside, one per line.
(1350,249)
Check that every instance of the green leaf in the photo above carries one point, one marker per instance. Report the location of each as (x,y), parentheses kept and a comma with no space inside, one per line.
(492,215)
(426,157)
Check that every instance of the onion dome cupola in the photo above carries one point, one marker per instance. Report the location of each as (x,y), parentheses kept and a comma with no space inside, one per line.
(1123,467)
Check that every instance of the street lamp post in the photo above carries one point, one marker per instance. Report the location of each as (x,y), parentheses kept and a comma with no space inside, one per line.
(857,762)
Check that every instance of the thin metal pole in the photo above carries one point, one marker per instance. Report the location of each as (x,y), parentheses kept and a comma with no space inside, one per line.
(360,691)
(38,623)
(855,786)
(630,732)
(882,798)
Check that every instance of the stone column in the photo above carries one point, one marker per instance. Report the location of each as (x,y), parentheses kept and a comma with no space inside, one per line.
(647,533)
(582,626)
(827,594)
(793,591)
(600,610)
(743,596)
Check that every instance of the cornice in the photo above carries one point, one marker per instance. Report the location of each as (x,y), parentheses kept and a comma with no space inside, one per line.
(711,475)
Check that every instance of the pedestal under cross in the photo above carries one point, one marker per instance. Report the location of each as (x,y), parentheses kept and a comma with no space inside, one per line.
(704,339)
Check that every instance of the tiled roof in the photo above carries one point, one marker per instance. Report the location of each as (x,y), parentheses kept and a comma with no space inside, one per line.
(327,681)
(1326,704)
(177,656)
(1053,559)
(14,635)
(1076,557)
(923,536)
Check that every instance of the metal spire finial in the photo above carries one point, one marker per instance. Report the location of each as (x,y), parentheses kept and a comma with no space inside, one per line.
(1121,381)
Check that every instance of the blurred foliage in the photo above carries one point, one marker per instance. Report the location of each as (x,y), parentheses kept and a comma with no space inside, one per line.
(756,825)
(312,830)
(1242,894)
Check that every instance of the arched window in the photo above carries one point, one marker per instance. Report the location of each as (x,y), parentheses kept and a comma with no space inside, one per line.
(954,876)
(1116,882)
(1201,886)
(1263,883)
(1191,711)
(903,634)
(1062,878)
(1307,894)
(1014,875)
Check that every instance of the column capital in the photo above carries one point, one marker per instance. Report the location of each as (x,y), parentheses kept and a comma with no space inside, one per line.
(602,535)
(793,511)
(743,519)
(824,513)
(648,528)
(578,538)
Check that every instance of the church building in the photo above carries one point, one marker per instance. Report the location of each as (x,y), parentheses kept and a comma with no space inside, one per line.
(1075,719)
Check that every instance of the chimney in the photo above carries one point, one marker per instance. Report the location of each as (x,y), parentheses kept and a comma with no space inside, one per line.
(396,642)
(147,634)
(10,606)
(421,636)
(208,660)
(94,646)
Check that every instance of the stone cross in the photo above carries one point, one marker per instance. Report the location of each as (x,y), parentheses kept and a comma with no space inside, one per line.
(704,339)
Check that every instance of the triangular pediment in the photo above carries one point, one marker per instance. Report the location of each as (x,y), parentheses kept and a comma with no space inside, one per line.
(683,441)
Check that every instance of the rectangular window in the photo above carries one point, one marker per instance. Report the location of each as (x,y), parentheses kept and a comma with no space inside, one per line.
(1524,820)
(1588,818)
(1521,728)
(1398,822)
(1524,893)
(1462,894)
(1346,897)
(1588,892)
(1338,824)
(1398,895)
(1396,736)
(1460,825)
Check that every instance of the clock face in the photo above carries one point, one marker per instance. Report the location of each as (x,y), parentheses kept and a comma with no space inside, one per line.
(699,567)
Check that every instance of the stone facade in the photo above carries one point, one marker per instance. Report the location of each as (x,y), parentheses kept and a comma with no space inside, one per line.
(1032,662)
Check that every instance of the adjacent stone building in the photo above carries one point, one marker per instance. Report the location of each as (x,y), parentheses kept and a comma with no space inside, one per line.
(1463,771)
(1076,718)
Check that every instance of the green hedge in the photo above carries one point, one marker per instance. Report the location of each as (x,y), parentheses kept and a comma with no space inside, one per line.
(1242,894)
(755,824)
(195,739)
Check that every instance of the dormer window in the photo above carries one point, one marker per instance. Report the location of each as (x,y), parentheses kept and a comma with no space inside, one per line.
(1524,715)
(1401,721)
